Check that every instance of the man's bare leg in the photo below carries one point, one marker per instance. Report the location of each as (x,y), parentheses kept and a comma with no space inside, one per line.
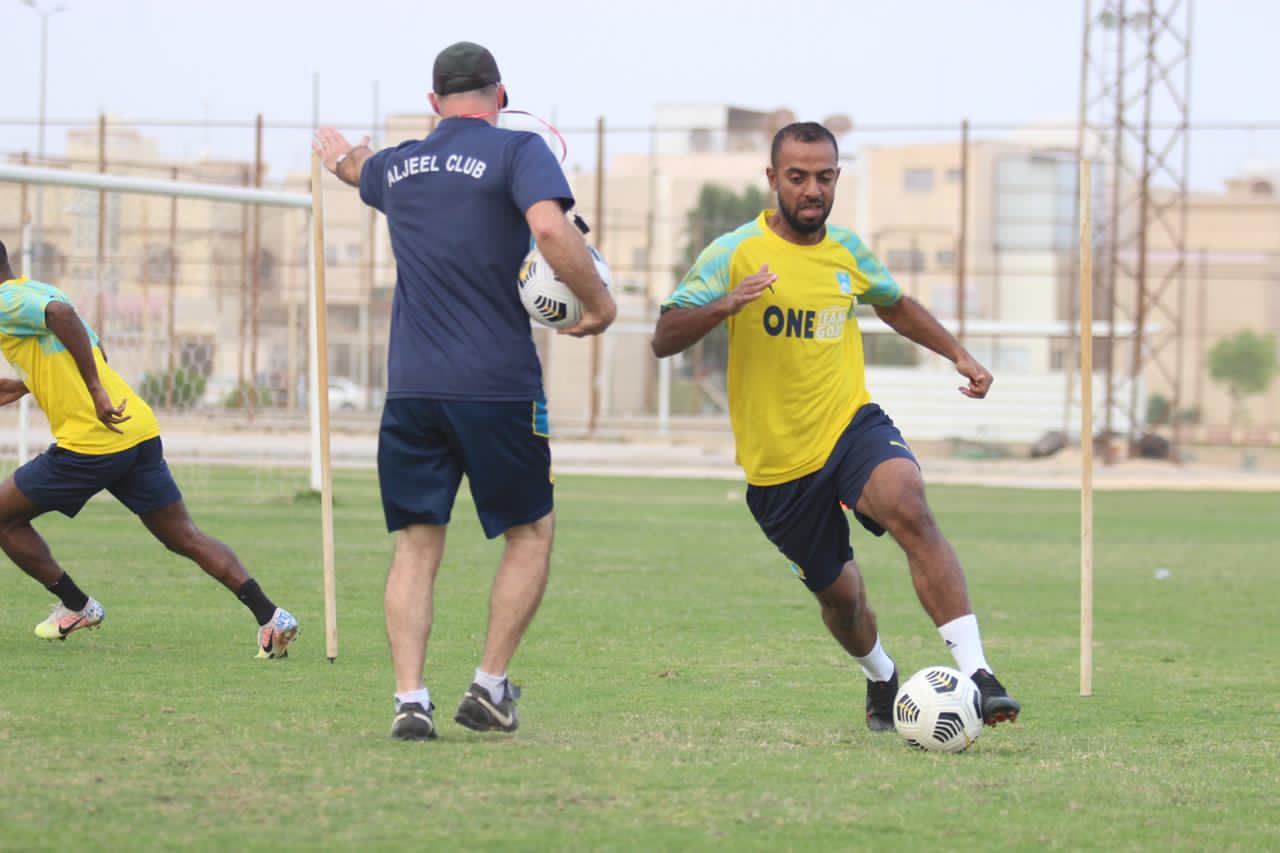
(407,603)
(489,704)
(894,497)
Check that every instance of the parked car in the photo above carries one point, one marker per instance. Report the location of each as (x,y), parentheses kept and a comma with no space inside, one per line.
(348,396)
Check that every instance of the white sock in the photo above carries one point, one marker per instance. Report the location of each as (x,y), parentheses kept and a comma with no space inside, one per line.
(422,696)
(495,684)
(876,665)
(962,637)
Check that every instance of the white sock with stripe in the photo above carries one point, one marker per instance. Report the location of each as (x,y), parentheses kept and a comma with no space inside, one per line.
(964,640)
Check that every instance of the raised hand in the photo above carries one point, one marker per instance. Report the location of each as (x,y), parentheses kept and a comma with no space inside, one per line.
(750,288)
(330,145)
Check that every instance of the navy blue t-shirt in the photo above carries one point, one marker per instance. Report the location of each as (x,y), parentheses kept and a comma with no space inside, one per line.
(455,205)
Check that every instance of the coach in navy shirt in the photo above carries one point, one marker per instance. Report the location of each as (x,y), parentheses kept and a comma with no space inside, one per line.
(464,385)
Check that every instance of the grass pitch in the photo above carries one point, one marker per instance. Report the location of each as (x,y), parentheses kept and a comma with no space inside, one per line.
(680,690)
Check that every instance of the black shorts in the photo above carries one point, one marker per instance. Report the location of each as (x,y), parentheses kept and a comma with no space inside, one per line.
(425,446)
(805,517)
(64,480)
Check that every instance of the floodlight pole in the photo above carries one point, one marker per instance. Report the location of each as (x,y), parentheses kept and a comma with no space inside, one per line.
(45,15)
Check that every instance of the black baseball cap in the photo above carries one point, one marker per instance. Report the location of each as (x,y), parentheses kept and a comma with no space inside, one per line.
(463,67)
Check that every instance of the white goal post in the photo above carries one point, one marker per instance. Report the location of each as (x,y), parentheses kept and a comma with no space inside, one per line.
(318,403)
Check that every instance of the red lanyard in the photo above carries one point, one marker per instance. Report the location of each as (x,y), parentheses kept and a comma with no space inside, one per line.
(564,146)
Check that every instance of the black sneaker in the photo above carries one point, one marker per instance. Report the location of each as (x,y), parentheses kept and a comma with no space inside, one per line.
(880,696)
(997,705)
(480,713)
(413,722)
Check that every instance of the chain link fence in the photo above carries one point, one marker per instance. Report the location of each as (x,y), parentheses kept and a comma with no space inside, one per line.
(202,306)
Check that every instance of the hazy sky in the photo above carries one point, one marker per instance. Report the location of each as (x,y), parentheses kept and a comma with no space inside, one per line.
(879,61)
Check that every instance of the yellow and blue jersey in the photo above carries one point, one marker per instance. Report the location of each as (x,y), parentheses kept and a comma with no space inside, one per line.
(796,372)
(46,367)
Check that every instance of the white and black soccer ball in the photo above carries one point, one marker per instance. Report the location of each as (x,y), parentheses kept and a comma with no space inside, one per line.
(549,300)
(938,710)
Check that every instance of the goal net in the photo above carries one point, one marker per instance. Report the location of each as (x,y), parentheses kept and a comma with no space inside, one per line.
(203,294)
(199,288)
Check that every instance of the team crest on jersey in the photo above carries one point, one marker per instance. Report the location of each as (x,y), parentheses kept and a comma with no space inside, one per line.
(846,283)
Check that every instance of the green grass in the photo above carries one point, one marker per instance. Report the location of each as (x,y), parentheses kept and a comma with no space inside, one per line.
(680,690)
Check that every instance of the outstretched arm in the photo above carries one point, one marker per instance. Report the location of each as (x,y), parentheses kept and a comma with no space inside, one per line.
(341,157)
(912,320)
(62,319)
(11,390)
(680,328)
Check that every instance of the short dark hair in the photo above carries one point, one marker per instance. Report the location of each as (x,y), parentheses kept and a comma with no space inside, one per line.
(4,255)
(801,131)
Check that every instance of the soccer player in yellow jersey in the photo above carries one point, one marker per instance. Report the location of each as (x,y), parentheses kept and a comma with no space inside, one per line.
(99,444)
(808,436)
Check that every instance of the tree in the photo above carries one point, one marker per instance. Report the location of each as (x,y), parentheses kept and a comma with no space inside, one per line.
(719,210)
(1246,364)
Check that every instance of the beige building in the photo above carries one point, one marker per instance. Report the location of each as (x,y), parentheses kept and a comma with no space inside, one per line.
(167,283)
(1230,284)
(904,201)
(187,296)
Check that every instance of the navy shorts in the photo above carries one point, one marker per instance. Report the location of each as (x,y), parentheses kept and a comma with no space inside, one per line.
(64,480)
(425,446)
(804,517)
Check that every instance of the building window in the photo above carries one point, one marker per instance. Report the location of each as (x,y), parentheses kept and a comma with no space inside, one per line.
(905,260)
(266,265)
(159,262)
(917,180)
(195,354)
(945,258)
(344,319)
(1015,359)
(954,176)
(114,205)
(943,301)
(1034,203)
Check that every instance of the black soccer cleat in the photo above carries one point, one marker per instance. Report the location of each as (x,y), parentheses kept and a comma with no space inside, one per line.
(880,697)
(413,722)
(997,705)
(480,713)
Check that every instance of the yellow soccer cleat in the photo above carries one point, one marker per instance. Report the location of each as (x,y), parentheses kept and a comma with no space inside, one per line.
(62,621)
(275,636)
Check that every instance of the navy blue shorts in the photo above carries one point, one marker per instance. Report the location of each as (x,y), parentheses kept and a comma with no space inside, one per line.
(804,517)
(425,446)
(64,480)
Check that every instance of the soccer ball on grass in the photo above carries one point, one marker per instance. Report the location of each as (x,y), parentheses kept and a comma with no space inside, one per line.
(938,710)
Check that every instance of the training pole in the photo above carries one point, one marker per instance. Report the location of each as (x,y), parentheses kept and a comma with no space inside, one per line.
(320,362)
(1086,429)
